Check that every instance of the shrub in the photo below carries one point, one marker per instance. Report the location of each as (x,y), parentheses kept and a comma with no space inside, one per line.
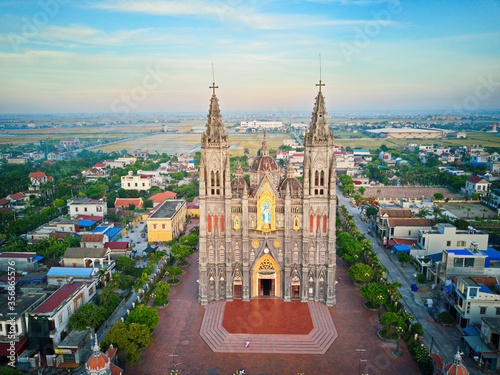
(421,279)
(446,318)
(361,272)
(417,328)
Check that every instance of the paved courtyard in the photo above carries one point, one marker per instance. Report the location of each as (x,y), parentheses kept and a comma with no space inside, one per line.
(400,192)
(178,344)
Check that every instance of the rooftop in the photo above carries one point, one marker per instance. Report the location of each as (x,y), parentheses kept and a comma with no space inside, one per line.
(23,303)
(17,255)
(70,271)
(58,297)
(85,252)
(167,209)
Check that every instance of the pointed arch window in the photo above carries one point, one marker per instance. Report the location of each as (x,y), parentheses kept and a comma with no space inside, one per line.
(311,256)
(322,178)
(325,221)
(311,223)
(318,223)
(209,223)
(212,180)
(222,223)
(215,222)
(218,178)
(316,178)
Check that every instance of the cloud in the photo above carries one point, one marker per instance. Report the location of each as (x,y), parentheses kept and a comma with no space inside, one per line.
(230,12)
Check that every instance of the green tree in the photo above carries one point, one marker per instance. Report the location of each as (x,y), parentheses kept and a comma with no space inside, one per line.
(190,240)
(161,293)
(349,189)
(376,293)
(131,338)
(438,196)
(143,314)
(392,323)
(125,264)
(108,299)
(58,203)
(173,272)
(87,315)
(7,370)
(361,272)
(403,258)
(371,211)
(362,190)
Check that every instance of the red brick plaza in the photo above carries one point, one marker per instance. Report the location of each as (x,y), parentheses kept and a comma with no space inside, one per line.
(178,344)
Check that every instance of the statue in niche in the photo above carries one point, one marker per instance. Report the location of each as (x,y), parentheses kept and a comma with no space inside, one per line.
(266,214)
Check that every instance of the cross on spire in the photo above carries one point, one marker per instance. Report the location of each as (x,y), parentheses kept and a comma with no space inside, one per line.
(320,84)
(215,87)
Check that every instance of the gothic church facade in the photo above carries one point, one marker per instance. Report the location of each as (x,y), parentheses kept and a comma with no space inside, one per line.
(271,235)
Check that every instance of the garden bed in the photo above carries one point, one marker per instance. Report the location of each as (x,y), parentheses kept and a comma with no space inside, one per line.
(174,281)
(370,306)
(393,338)
(183,264)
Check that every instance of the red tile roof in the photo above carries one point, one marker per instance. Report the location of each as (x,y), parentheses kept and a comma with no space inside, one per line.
(413,222)
(476,179)
(37,174)
(402,241)
(115,370)
(17,255)
(91,218)
(4,201)
(125,202)
(395,213)
(100,165)
(120,245)
(58,297)
(17,196)
(98,237)
(162,197)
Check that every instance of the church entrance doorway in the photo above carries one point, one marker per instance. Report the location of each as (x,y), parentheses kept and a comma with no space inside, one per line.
(295,291)
(237,292)
(266,287)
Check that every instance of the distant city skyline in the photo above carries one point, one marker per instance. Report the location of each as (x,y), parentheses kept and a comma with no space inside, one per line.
(124,56)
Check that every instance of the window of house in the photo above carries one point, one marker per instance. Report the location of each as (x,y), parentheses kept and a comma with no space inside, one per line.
(61,319)
(458,262)
(76,209)
(392,231)
(85,209)
(497,312)
(448,243)
(70,310)
(154,226)
(128,184)
(460,243)
(469,262)
(482,310)
(163,226)
(409,233)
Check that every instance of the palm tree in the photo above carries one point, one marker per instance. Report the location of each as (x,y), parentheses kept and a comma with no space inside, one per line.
(424,211)
(437,210)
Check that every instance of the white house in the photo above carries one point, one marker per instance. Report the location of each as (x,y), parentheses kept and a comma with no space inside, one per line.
(476,184)
(447,236)
(87,206)
(136,182)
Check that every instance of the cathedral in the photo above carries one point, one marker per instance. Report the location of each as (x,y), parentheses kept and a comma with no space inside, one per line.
(271,235)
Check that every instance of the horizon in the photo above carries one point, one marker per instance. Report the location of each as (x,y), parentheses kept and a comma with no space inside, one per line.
(155,56)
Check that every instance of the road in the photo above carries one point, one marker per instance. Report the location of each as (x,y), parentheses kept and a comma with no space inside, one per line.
(444,340)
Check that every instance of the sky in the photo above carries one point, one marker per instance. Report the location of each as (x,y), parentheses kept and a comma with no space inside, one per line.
(135,56)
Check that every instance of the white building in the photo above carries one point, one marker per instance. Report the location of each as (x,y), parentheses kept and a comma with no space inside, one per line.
(447,236)
(136,182)
(262,125)
(475,184)
(87,206)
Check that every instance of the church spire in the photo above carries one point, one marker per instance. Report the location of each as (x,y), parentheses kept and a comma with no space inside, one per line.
(264,150)
(318,129)
(215,127)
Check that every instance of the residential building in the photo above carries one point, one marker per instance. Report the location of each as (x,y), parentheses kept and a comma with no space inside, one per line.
(490,336)
(118,249)
(408,133)
(136,182)
(19,261)
(87,206)
(87,257)
(476,184)
(385,156)
(38,179)
(193,208)
(16,198)
(406,228)
(58,276)
(379,223)
(93,174)
(124,203)
(48,323)
(162,197)
(469,299)
(14,335)
(71,143)
(167,221)
(447,236)
(93,240)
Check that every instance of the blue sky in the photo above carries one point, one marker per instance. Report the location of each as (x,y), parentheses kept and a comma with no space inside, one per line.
(156,55)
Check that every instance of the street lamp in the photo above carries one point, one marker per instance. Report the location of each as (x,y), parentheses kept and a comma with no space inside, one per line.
(380,298)
(397,352)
